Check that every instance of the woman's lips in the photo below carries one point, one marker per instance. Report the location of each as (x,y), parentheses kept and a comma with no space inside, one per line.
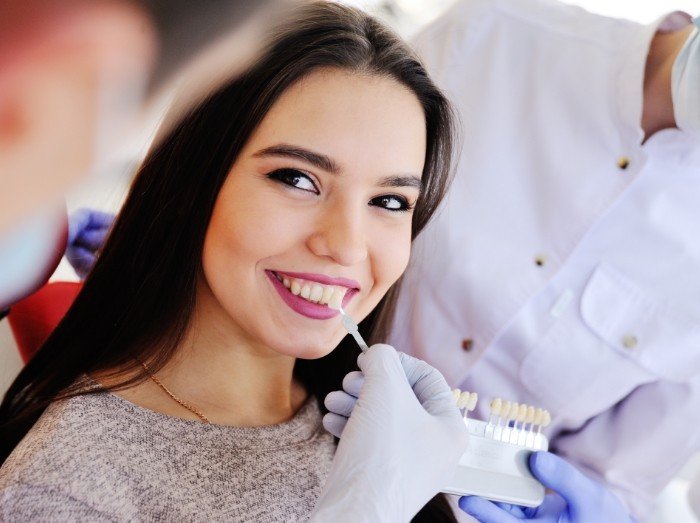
(304,307)
(322,279)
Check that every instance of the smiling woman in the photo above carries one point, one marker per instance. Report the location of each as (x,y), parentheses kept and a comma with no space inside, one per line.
(193,364)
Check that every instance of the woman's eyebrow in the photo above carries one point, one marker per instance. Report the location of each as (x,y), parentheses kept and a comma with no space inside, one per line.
(402,181)
(329,165)
(292,151)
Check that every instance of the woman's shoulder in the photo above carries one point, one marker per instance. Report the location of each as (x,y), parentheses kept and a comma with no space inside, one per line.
(72,439)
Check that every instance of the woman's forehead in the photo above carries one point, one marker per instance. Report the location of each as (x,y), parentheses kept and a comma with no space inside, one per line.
(353,118)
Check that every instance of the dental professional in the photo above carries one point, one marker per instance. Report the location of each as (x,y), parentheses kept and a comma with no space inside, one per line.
(562,270)
(186,380)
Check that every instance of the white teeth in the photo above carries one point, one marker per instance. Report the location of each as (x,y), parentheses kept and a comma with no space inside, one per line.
(316,293)
(327,293)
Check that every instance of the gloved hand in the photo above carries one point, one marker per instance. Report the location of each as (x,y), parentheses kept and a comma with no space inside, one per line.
(401,444)
(577,498)
(87,230)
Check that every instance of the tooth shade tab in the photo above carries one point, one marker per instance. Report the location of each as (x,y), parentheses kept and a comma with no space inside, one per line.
(496,406)
(530,416)
(473,398)
(539,413)
(546,418)
(336,299)
(463,400)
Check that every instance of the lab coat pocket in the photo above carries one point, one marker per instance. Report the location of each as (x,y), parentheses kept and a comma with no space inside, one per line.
(620,338)
(639,327)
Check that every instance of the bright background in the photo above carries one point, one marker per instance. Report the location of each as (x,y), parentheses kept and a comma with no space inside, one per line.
(409,15)
(108,189)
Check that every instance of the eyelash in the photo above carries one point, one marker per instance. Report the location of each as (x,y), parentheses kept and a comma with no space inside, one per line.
(287,177)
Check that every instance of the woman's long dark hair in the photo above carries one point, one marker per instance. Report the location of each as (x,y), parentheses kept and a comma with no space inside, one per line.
(138,300)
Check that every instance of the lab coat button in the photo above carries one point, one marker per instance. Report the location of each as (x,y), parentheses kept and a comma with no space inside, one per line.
(623,162)
(629,341)
(467,344)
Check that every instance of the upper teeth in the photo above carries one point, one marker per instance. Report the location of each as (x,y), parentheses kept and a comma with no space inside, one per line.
(314,291)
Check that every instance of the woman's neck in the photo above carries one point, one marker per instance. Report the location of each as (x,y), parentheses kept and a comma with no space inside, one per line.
(227,378)
(658,113)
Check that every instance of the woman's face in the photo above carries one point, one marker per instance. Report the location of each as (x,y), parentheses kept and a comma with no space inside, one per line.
(319,198)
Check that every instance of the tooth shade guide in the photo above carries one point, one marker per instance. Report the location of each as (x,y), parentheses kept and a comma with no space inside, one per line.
(524,417)
(336,299)
(495,463)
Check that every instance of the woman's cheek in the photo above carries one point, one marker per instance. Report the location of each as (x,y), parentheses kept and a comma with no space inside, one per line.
(393,252)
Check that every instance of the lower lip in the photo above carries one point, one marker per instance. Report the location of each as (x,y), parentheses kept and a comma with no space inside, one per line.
(304,307)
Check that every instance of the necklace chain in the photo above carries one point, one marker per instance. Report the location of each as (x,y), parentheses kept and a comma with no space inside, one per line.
(181,402)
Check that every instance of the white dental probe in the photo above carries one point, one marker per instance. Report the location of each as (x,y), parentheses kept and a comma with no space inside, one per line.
(349,324)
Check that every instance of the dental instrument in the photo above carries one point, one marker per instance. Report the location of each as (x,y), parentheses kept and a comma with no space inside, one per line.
(495,464)
(335,302)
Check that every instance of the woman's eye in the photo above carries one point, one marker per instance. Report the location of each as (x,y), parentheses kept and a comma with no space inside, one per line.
(294,178)
(391,202)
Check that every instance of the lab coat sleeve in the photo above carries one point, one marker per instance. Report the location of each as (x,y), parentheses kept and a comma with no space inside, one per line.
(637,446)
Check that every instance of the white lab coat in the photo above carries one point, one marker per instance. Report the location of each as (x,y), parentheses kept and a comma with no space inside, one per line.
(564,269)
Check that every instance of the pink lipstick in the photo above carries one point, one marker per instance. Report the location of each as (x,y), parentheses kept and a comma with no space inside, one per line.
(304,307)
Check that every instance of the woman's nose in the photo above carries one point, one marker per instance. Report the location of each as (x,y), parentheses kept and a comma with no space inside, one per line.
(340,234)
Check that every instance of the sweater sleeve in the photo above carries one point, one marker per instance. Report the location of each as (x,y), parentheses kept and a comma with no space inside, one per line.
(22,502)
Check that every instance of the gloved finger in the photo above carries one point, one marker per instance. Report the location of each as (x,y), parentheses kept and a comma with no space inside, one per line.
(340,402)
(578,490)
(553,504)
(77,222)
(429,385)
(485,511)
(334,423)
(352,382)
(92,239)
(81,260)
(100,220)
(381,362)
(515,510)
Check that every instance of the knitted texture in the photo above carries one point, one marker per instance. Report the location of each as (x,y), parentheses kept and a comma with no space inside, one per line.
(101,458)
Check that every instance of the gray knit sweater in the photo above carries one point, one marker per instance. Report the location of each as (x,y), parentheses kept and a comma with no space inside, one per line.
(101,458)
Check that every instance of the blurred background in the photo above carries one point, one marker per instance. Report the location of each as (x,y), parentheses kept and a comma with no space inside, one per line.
(107,191)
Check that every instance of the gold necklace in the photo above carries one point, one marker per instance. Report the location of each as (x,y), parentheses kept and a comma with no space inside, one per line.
(184,404)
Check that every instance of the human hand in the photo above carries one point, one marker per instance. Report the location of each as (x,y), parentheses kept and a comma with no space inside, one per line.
(87,230)
(576,498)
(401,439)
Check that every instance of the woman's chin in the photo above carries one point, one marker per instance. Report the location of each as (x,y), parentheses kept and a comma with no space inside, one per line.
(313,353)
(310,346)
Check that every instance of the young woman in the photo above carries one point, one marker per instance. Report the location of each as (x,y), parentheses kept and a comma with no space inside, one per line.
(185,383)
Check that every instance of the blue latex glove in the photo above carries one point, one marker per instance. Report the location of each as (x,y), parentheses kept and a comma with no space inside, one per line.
(577,498)
(401,437)
(87,231)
